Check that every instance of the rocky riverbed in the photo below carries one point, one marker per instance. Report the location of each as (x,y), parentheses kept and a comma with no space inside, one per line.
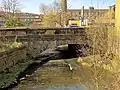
(55,75)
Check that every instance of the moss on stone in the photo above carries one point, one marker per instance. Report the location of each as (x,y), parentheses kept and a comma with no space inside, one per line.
(10,77)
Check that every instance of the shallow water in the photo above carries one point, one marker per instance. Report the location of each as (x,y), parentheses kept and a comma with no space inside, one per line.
(62,87)
(57,76)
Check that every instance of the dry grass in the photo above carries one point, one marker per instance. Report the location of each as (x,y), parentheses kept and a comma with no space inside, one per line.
(105,45)
(8,45)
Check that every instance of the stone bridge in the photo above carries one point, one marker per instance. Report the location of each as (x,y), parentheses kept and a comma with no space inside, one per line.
(39,39)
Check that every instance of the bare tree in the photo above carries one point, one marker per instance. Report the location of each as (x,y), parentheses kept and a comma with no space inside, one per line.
(43,8)
(53,14)
(10,7)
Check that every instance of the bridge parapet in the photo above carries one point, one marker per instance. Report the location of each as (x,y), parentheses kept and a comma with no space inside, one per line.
(26,31)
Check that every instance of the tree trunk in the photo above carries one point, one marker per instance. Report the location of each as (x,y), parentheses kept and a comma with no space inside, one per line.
(117,29)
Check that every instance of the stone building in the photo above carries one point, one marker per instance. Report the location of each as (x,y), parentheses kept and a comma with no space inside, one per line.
(90,14)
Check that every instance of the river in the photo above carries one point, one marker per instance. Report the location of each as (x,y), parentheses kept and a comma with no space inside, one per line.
(57,76)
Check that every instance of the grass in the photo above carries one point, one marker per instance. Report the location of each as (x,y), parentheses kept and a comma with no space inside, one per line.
(8,45)
(9,78)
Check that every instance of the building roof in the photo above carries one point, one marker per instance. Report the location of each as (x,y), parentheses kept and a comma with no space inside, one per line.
(21,13)
(86,10)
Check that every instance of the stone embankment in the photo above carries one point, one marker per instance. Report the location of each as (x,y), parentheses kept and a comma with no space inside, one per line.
(11,57)
(12,62)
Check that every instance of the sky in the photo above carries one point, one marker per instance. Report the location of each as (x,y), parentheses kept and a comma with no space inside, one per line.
(32,6)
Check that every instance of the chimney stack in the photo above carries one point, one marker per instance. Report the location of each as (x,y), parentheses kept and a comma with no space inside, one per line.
(64,5)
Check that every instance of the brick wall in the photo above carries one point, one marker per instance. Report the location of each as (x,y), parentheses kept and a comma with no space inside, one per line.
(11,57)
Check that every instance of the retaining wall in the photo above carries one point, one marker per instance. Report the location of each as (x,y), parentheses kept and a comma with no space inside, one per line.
(11,57)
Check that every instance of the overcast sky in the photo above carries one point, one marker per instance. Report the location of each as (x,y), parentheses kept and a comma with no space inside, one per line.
(33,5)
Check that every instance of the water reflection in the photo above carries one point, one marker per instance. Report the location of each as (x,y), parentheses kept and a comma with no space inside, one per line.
(62,87)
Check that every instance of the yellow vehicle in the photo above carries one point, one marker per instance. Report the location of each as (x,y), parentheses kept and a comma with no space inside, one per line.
(77,23)
(74,22)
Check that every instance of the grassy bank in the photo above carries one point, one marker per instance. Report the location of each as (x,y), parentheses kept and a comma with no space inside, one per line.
(4,46)
(9,77)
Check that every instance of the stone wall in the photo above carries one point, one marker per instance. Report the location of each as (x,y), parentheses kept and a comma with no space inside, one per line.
(11,57)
